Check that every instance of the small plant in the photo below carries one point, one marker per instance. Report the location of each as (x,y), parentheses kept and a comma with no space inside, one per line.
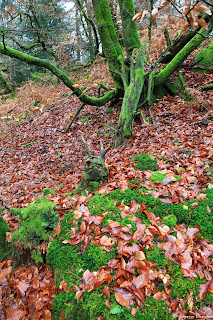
(85,120)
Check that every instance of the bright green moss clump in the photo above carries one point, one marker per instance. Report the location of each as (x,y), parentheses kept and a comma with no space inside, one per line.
(162,177)
(5,247)
(170,220)
(144,162)
(158,177)
(39,221)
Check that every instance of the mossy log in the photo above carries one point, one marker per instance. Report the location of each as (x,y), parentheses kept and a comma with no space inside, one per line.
(60,75)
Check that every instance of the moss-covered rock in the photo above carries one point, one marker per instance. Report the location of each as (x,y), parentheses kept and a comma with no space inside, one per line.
(204,56)
(5,247)
(39,220)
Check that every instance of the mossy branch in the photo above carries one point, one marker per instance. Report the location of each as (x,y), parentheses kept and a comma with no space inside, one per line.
(61,75)
(180,57)
(207,87)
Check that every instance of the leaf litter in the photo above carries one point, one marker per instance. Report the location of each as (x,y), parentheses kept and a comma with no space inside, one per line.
(37,155)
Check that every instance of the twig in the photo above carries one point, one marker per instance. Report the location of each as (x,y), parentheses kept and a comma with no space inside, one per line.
(86,146)
(75,116)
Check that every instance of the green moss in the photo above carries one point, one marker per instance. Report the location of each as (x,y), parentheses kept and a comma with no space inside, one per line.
(156,255)
(47,191)
(5,247)
(191,217)
(93,306)
(208,301)
(65,257)
(108,203)
(39,220)
(154,309)
(69,264)
(181,169)
(170,220)
(131,224)
(158,177)
(144,162)
(181,286)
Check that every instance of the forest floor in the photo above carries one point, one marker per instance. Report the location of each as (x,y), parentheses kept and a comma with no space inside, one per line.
(37,154)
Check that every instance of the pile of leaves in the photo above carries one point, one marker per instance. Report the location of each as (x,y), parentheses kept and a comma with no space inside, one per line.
(27,292)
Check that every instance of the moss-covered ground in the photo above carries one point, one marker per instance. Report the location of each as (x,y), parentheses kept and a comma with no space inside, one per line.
(69,265)
(69,262)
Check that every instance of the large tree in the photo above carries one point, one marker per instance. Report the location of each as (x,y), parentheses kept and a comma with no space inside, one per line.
(136,80)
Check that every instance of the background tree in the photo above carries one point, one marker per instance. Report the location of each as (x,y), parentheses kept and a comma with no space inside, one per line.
(136,79)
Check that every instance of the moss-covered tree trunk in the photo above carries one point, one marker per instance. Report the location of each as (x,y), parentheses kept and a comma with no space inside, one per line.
(109,40)
(5,83)
(130,31)
(131,97)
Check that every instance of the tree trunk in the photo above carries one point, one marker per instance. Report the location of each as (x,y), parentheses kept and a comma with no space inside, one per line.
(77,31)
(5,83)
(109,40)
(131,97)
(130,30)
